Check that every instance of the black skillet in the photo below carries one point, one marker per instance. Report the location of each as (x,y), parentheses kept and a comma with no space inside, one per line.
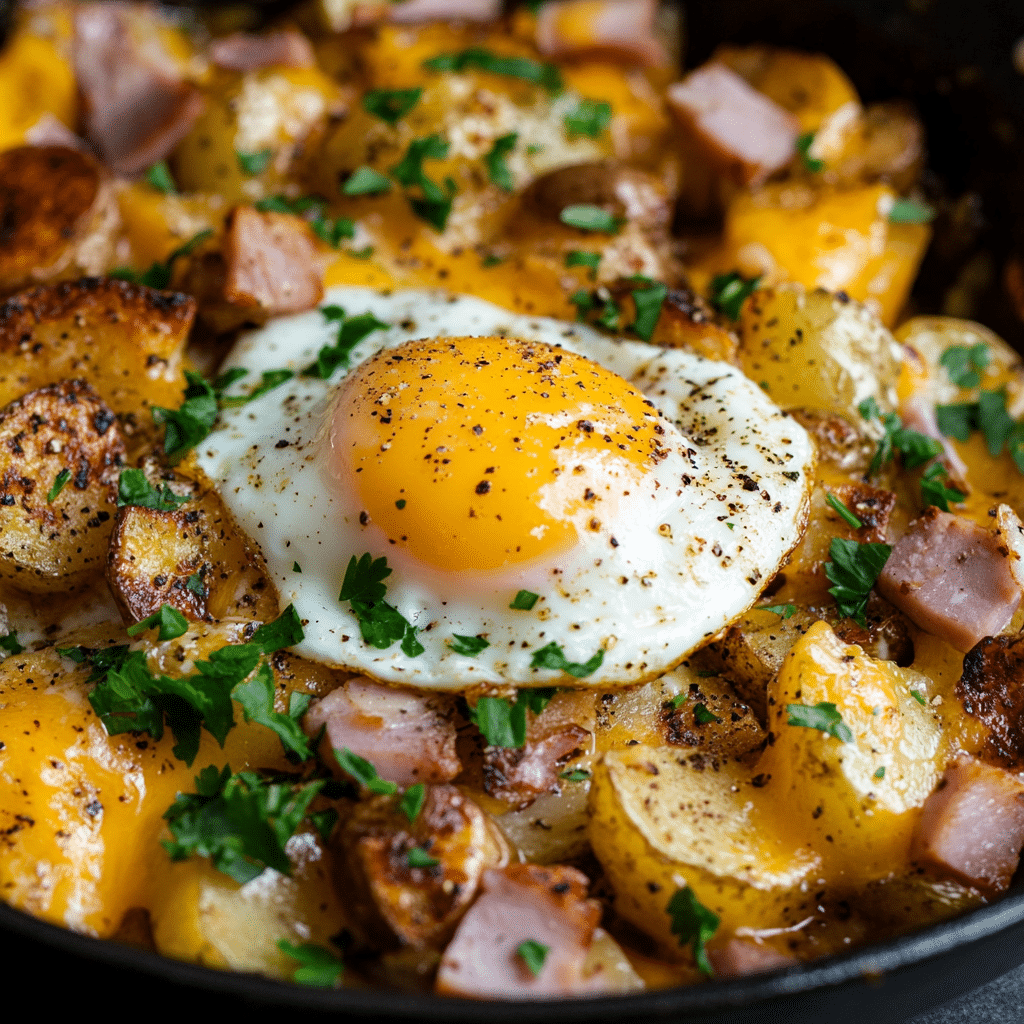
(953,61)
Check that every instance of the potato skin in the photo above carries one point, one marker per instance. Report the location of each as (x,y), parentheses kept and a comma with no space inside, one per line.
(57,544)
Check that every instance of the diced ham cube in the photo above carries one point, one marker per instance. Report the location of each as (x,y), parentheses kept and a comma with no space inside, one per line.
(136,107)
(972,826)
(740,131)
(619,29)
(406,736)
(521,903)
(744,956)
(951,577)
(248,51)
(519,776)
(271,262)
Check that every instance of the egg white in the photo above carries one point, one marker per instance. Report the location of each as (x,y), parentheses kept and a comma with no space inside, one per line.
(646,603)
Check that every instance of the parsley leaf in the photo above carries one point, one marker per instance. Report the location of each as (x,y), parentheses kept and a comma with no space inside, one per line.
(503,724)
(134,489)
(963,363)
(412,801)
(524,601)
(957,420)
(468,645)
(934,491)
(730,291)
(241,822)
(679,699)
(910,211)
(845,514)
(365,181)
(648,298)
(320,968)
(853,568)
(171,622)
(417,857)
(552,656)
(284,631)
(327,229)
(188,425)
(159,274)
(693,923)
(270,380)
(391,105)
(582,258)
(254,163)
(364,773)
(380,623)
(159,176)
(990,416)
(575,775)
(494,161)
(785,610)
(478,59)
(351,331)
(9,643)
(434,205)
(590,118)
(803,148)
(586,217)
(256,696)
(58,484)
(533,954)
(823,716)
(703,716)
(915,449)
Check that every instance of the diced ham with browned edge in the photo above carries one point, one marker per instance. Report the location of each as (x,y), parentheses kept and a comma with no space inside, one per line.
(408,737)
(520,903)
(413,12)
(740,131)
(917,413)
(951,577)
(271,262)
(622,30)
(744,956)
(519,776)
(136,107)
(972,826)
(249,51)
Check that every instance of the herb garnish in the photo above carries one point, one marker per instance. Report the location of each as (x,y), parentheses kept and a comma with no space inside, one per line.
(189,424)
(494,161)
(391,105)
(583,258)
(320,968)
(533,954)
(270,380)
(417,857)
(552,656)
(468,645)
(934,491)
(803,147)
(910,211)
(823,716)
(880,772)
(364,773)
(590,118)
(524,601)
(693,923)
(58,484)
(254,163)
(159,176)
(648,298)
(380,623)
(785,610)
(9,643)
(844,513)
(989,415)
(351,331)
(170,621)
(328,229)
(703,716)
(964,363)
(478,59)
(679,699)
(134,489)
(575,775)
(365,181)
(411,802)
(586,217)
(434,205)
(853,568)
(730,291)
(915,448)
(159,274)
(503,724)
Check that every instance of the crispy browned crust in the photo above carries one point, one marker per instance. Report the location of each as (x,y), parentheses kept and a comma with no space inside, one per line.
(125,339)
(736,733)
(51,199)
(63,432)
(518,776)
(992,690)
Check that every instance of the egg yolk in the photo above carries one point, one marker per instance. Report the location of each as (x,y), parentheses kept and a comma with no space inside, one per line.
(477,454)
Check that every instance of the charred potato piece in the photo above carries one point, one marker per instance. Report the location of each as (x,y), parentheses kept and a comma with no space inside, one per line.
(60,455)
(124,339)
(58,214)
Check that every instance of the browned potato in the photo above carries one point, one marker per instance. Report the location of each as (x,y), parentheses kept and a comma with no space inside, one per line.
(124,339)
(58,214)
(60,454)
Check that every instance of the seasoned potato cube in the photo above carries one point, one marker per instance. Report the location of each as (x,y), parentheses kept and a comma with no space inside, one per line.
(59,215)
(125,340)
(856,802)
(60,452)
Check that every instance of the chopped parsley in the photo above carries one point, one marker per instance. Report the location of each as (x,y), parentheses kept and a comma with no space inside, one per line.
(241,821)
(785,610)
(380,624)
(845,514)
(583,258)
(853,568)
(476,58)
(365,181)
(351,331)
(411,802)
(159,274)
(703,716)
(188,425)
(270,380)
(468,645)
(503,724)
(318,966)
(803,148)
(494,161)
(533,954)
(134,489)
(296,567)
(552,656)
(990,416)
(919,697)
(914,448)
(575,775)
(170,621)
(254,163)
(606,310)
(364,773)
(679,699)
(586,217)
(434,204)
(417,857)
(823,716)
(910,211)
(693,923)
(9,643)
(933,489)
(328,229)
(964,363)
(730,291)
(195,584)
(524,601)
(880,772)
(648,298)
(256,697)
(58,484)
(391,105)
(590,118)
(159,176)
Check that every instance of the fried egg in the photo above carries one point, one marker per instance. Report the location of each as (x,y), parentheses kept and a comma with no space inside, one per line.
(591,509)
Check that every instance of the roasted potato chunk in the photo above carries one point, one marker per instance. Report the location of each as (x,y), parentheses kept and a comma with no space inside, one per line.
(124,339)
(60,454)
(58,214)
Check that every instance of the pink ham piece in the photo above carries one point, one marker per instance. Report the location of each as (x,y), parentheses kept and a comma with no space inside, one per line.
(919,414)
(247,51)
(741,132)
(621,30)
(972,826)
(744,956)
(951,577)
(406,736)
(414,12)
(519,776)
(270,262)
(136,108)
(521,903)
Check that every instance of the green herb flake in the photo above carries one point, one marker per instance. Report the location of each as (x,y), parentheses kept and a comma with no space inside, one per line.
(679,699)
(910,211)
(254,163)
(491,260)
(730,291)
(58,484)
(195,585)
(365,181)
(853,568)
(964,363)
(648,298)
(803,148)
(391,105)
(823,716)
(159,176)
(533,954)
(494,161)
(693,923)
(320,968)
(170,621)
(934,491)
(351,331)
(296,567)
(703,716)
(844,513)
(586,217)
(880,772)
(364,773)
(575,775)
(919,697)
(590,118)
(915,449)
(551,656)
(524,601)
(785,610)
(9,643)
(411,802)
(417,857)
(502,724)
(732,526)
(478,59)
(191,423)
(270,379)
(468,645)
(583,258)
(134,489)
(379,622)
(256,697)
